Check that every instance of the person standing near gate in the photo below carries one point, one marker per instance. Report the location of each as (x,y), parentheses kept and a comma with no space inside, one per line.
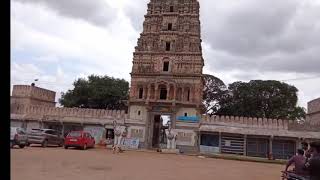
(305,147)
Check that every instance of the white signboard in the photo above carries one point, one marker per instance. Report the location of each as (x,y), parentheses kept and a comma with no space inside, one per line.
(185,137)
(131,143)
(209,149)
(227,143)
(96,132)
(137,132)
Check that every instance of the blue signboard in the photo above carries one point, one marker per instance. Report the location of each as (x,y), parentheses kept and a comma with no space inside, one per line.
(188,118)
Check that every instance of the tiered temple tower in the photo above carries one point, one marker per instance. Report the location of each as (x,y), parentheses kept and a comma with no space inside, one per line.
(166,77)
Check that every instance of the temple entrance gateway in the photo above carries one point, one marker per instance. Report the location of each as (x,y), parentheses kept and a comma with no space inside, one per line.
(156,131)
(159,139)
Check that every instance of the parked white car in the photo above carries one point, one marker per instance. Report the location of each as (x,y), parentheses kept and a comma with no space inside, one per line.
(18,137)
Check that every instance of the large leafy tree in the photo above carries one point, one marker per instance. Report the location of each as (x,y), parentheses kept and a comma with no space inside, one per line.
(214,90)
(97,92)
(265,99)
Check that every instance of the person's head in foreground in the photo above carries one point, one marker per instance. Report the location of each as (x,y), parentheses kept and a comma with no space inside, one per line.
(315,148)
(300,152)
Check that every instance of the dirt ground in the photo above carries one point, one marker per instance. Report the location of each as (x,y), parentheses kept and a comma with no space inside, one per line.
(36,163)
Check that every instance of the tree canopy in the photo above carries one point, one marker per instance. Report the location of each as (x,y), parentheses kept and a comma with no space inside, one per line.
(264,99)
(257,98)
(214,90)
(97,92)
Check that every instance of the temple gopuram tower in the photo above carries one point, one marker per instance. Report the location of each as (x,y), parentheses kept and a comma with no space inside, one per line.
(166,77)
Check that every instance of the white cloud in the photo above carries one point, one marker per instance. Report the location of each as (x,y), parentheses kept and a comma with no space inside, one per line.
(106,50)
(48,59)
(97,12)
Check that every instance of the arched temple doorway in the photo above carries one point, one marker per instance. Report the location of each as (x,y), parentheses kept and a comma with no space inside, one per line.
(160,124)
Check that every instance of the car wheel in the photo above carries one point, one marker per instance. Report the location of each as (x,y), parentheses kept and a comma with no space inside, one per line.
(84,147)
(66,147)
(45,143)
(60,144)
(28,144)
(21,146)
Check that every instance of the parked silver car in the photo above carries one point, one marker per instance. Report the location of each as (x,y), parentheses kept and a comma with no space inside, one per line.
(18,136)
(45,137)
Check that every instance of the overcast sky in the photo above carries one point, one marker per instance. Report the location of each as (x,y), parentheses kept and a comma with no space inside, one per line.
(58,41)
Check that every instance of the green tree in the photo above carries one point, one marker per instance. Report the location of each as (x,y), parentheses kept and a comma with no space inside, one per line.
(214,90)
(97,92)
(265,99)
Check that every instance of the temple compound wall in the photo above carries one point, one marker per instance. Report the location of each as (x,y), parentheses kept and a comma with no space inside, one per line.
(268,138)
(208,135)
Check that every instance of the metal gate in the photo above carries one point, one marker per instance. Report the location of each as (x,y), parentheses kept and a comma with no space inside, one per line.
(232,144)
(257,147)
(283,149)
(209,143)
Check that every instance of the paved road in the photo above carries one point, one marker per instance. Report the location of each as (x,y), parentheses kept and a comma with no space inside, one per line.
(36,163)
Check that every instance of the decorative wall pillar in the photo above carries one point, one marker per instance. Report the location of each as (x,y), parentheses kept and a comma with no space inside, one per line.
(156,87)
(182,95)
(270,147)
(168,92)
(245,145)
(145,93)
(134,92)
(220,142)
(149,92)
(174,93)
(192,94)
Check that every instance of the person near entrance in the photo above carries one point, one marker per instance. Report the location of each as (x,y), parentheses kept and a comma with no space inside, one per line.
(305,147)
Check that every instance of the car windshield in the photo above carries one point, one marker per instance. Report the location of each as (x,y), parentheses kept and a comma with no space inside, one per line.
(20,131)
(36,130)
(74,134)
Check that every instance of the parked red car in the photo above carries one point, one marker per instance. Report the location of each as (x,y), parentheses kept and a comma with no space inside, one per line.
(79,139)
